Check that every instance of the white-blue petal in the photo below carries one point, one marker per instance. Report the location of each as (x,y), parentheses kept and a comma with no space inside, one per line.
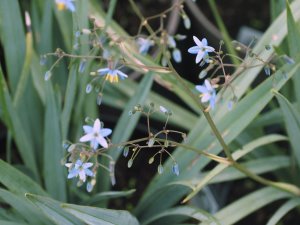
(194,50)
(105,132)
(201,88)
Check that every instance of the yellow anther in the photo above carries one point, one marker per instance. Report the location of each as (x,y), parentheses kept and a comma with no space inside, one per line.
(61,6)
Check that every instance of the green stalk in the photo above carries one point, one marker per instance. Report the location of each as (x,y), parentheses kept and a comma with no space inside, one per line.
(225,35)
(279,185)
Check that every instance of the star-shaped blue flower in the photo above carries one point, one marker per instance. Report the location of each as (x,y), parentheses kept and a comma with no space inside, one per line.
(144,45)
(65,4)
(201,49)
(208,93)
(95,135)
(112,74)
(80,169)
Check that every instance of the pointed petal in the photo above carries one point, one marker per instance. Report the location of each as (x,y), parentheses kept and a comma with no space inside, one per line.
(199,56)
(89,172)
(204,42)
(121,74)
(94,143)
(103,71)
(101,140)
(86,137)
(68,164)
(197,41)
(97,126)
(208,85)
(105,132)
(87,165)
(209,49)
(194,50)
(82,175)
(87,129)
(201,88)
(73,173)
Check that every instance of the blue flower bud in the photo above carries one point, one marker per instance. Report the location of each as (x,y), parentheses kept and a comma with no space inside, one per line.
(43,60)
(160,169)
(176,55)
(130,162)
(175,169)
(82,66)
(88,88)
(48,75)
(125,152)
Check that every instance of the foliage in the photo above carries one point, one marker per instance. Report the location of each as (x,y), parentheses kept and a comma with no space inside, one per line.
(47,96)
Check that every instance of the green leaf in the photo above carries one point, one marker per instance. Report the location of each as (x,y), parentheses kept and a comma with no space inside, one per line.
(248,204)
(95,199)
(18,182)
(292,121)
(187,211)
(5,222)
(294,46)
(231,125)
(23,207)
(258,166)
(283,210)
(236,155)
(53,210)
(53,152)
(13,39)
(14,124)
(93,215)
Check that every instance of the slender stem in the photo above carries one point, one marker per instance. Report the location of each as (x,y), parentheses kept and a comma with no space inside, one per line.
(205,113)
(282,186)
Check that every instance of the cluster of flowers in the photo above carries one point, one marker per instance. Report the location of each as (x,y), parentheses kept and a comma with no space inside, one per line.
(80,167)
(207,90)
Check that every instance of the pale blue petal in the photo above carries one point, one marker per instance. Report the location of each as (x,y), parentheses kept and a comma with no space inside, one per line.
(208,85)
(194,50)
(87,137)
(89,172)
(103,71)
(87,165)
(201,88)
(121,74)
(197,41)
(94,143)
(73,173)
(199,56)
(101,140)
(97,126)
(87,129)
(204,42)
(105,132)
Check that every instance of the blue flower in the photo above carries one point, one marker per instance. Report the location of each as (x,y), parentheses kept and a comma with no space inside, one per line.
(112,74)
(95,135)
(80,169)
(201,49)
(65,4)
(208,93)
(144,45)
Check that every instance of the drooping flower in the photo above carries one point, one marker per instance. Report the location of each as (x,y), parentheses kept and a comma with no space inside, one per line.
(112,74)
(80,169)
(65,4)
(201,49)
(95,135)
(144,44)
(208,93)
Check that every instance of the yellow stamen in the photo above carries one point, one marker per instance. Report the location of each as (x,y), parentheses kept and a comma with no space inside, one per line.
(112,78)
(61,6)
